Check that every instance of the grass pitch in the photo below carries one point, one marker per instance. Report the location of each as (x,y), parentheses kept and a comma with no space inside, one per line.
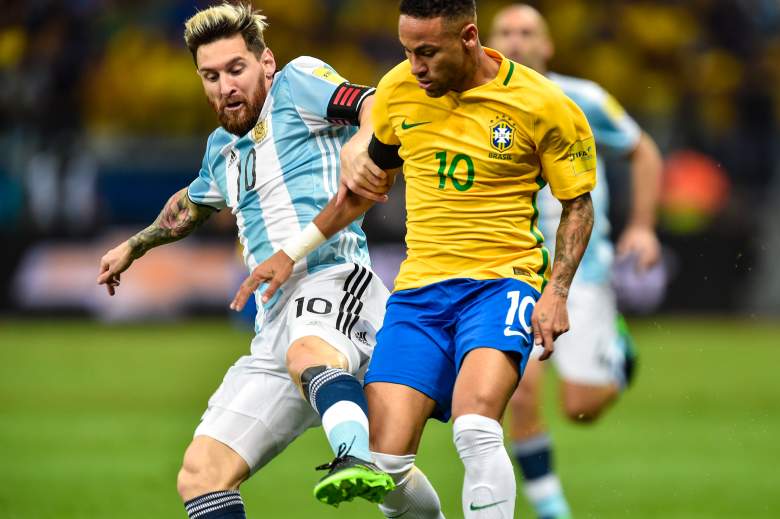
(94,420)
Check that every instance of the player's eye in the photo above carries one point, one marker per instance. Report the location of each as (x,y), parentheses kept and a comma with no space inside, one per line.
(237,70)
(211,77)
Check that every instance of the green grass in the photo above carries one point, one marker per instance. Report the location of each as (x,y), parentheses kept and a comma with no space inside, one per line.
(94,420)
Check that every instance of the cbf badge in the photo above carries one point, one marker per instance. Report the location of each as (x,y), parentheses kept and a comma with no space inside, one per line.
(259,131)
(502,133)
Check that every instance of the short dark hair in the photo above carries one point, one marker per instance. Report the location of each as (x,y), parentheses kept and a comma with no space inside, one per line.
(434,8)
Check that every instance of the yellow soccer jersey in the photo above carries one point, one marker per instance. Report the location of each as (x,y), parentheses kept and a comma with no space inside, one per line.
(473,163)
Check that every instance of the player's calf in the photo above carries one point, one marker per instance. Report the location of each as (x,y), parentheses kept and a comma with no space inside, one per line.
(209,479)
(489,483)
(338,398)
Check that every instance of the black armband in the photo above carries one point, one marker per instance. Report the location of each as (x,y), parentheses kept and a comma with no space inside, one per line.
(344,105)
(384,155)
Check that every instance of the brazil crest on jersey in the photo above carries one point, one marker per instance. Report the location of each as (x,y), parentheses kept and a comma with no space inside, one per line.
(277,178)
(473,163)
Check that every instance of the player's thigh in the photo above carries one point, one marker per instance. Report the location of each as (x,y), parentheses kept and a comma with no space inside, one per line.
(589,356)
(333,318)
(256,413)
(397,414)
(493,341)
(415,350)
(485,382)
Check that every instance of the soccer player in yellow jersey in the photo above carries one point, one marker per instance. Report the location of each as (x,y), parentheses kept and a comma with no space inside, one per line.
(477,136)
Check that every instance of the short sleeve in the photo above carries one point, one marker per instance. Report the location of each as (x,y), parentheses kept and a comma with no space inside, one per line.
(204,190)
(380,114)
(612,127)
(321,96)
(566,148)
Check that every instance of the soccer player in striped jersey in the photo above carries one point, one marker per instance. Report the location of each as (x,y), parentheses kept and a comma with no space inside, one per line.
(595,359)
(477,136)
(274,163)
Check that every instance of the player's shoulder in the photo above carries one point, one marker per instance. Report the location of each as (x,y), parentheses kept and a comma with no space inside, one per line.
(397,76)
(311,67)
(216,143)
(532,90)
(581,91)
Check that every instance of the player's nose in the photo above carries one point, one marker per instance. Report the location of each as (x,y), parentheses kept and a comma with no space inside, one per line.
(418,67)
(226,86)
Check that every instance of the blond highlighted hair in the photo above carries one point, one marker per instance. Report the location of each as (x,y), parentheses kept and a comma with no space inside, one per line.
(223,21)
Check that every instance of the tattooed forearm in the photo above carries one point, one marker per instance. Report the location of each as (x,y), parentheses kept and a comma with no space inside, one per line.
(178,218)
(570,242)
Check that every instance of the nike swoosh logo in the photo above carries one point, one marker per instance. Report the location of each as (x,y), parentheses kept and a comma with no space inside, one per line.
(474,507)
(509,333)
(405,126)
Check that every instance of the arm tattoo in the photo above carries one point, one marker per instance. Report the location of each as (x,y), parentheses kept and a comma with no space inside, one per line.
(571,240)
(179,217)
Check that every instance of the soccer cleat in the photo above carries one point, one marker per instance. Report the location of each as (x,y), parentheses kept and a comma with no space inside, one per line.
(350,477)
(630,354)
(565,516)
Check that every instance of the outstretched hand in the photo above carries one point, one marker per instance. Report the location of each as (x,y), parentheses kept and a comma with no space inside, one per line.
(274,271)
(112,264)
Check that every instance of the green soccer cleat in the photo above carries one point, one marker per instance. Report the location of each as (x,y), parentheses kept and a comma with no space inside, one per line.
(350,477)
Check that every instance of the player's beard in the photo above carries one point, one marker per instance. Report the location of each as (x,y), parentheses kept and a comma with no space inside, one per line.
(239,122)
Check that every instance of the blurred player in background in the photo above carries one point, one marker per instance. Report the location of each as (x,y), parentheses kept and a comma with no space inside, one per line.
(274,162)
(477,136)
(595,359)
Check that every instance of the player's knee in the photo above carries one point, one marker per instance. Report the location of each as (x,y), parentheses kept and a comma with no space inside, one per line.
(203,472)
(581,411)
(478,402)
(304,354)
(585,406)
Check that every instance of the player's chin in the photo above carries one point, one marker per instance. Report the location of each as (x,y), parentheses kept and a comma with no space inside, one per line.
(237,123)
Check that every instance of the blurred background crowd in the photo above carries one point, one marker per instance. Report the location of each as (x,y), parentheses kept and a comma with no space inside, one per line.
(102,117)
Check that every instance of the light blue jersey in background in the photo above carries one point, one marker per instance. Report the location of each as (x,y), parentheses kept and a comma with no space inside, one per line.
(615,130)
(278,177)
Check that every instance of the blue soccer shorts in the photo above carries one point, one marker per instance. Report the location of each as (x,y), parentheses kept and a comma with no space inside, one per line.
(428,331)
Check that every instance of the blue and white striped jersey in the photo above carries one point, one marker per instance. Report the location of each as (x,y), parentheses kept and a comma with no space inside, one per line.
(613,129)
(278,177)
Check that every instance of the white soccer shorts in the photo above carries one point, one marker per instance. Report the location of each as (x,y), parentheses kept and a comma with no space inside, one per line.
(590,352)
(258,410)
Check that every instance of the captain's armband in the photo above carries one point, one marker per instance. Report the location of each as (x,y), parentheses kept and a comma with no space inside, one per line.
(384,155)
(344,105)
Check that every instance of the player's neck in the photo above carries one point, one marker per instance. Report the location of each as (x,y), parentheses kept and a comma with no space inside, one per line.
(485,71)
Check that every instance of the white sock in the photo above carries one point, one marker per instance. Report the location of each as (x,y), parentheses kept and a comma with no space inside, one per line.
(414,496)
(489,485)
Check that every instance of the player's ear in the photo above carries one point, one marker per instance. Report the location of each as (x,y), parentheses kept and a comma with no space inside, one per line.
(469,35)
(268,62)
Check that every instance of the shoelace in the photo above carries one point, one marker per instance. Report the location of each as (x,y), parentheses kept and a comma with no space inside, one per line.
(341,455)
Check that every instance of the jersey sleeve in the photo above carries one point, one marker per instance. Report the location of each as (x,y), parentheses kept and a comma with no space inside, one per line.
(321,96)
(566,148)
(204,190)
(380,115)
(612,127)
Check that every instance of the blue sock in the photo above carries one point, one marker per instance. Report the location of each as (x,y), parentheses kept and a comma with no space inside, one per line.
(226,504)
(338,398)
(542,486)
